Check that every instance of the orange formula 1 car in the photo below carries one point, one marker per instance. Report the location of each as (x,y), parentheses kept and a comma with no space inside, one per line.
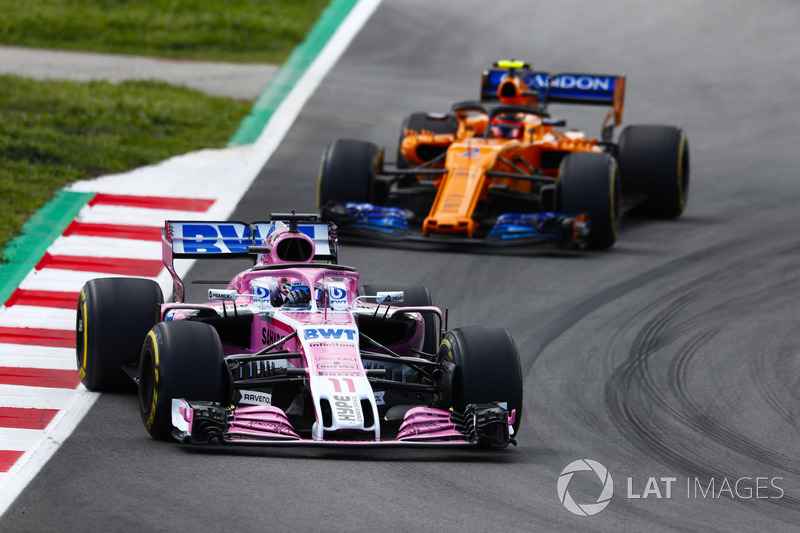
(501,171)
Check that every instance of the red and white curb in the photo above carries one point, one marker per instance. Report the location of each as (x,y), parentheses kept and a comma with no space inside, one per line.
(118,233)
(41,397)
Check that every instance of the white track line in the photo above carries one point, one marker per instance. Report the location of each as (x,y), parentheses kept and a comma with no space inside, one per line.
(19,439)
(133,216)
(22,355)
(29,316)
(105,247)
(223,175)
(35,397)
(42,449)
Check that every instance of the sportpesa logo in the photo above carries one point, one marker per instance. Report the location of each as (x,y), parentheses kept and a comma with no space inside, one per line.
(585,509)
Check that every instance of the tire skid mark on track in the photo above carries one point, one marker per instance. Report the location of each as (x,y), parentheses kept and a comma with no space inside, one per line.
(717,431)
(640,405)
(763,368)
(633,396)
(570,315)
(552,328)
(765,364)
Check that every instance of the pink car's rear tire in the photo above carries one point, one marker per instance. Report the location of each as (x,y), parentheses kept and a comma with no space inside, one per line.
(114,316)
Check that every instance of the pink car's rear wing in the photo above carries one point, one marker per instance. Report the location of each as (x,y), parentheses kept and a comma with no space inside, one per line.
(184,239)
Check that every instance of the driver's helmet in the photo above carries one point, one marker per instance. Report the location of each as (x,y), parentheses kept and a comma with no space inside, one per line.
(507,126)
(295,293)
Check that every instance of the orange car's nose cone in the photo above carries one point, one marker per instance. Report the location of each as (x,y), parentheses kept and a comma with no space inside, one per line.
(446,224)
(461,189)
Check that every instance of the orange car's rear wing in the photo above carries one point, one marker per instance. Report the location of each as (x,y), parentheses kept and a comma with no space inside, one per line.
(566,87)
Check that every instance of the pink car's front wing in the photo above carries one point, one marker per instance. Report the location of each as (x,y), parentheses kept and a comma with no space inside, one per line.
(480,425)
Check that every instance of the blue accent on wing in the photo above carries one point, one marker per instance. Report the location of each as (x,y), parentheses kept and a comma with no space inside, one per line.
(575,88)
(496,77)
(523,225)
(390,220)
(206,238)
(568,87)
(233,238)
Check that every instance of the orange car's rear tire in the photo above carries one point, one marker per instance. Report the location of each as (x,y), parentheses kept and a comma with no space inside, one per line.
(348,173)
(589,183)
(654,161)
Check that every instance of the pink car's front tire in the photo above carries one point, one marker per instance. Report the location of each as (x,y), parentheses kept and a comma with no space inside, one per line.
(179,360)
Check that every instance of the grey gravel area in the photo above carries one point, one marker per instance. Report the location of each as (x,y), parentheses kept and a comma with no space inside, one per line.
(241,81)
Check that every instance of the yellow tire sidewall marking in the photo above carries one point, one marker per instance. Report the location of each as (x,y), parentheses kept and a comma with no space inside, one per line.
(613,200)
(85,355)
(681,150)
(151,335)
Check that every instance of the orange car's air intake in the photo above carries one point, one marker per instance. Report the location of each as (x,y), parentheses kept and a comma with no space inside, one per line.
(515,91)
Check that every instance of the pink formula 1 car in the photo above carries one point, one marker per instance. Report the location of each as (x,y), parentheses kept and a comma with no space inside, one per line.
(293,351)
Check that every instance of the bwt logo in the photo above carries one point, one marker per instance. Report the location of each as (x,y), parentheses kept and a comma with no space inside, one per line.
(217,238)
(585,509)
(224,238)
(329,333)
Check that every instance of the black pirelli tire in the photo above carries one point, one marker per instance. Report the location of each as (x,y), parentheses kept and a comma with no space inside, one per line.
(413,296)
(589,183)
(654,162)
(487,368)
(113,318)
(348,173)
(178,360)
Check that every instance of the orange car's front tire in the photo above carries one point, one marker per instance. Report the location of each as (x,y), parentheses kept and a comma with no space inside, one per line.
(348,173)
(589,183)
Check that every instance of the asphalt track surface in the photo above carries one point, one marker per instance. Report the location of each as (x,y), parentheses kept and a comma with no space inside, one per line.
(675,354)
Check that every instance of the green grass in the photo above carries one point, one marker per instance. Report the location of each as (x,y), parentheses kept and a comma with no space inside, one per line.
(261,31)
(54,133)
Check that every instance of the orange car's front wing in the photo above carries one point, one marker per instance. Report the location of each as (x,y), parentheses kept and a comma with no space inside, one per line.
(368,222)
